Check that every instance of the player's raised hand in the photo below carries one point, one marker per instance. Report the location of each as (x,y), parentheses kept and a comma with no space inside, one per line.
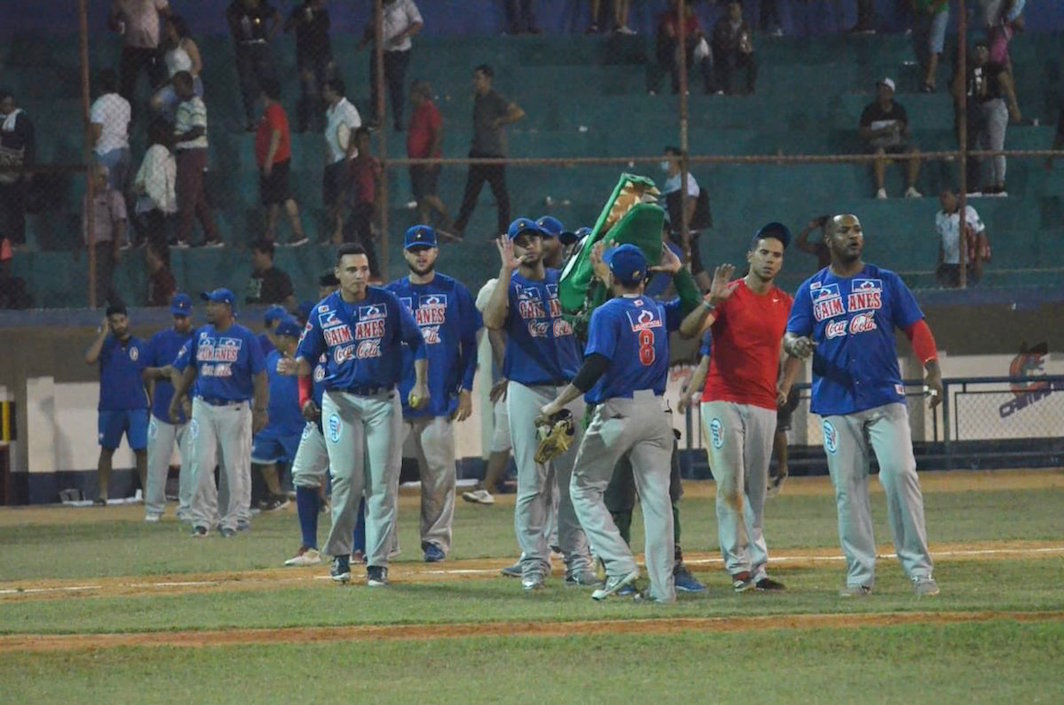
(465,406)
(598,265)
(506,253)
(498,390)
(718,288)
(670,263)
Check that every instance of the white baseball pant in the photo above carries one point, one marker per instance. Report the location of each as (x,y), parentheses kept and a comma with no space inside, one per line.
(221,435)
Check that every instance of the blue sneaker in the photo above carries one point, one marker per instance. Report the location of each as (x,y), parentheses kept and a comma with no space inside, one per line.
(685,582)
(341,569)
(627,591)
(433,553)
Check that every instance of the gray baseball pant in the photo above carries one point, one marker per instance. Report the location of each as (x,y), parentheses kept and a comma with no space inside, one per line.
(533,485)
(363,435)
(846,441)
(161,439)
(434,450)
(740,448)
(312,459)
(220,435)
(636,428)
(991,137)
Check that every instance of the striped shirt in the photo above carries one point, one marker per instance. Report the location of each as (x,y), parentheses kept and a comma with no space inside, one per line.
(191,113)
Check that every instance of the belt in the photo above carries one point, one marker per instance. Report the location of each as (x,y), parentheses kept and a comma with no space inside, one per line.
(547,383)
(366,391)
(216,401)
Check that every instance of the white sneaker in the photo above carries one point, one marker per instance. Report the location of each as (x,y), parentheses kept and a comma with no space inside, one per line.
(152,518)
(613,584)
(911,192)
(478,497)
(306,556)
(881,194)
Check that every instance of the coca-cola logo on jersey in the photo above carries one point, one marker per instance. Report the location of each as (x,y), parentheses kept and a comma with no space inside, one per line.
(861,323)
(368,348)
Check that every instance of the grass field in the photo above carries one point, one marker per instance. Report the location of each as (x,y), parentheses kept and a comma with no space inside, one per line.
(96,606)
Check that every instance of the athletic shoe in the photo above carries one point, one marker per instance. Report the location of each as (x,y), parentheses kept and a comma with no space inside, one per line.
(213,244)
(513,571)
(615,583)
(855,591)
(274,502)
(925,586)
(433,553)
(582,578)
(684,581)
(627,591)
(377,576)
(478,497)
(152,518)
(306,556)
(532,581)
(911,192)
(743,582)
(299,242)
(358,556)
(227,533)
(200,532)
(881,194)
(100,502)
(341,569)
(180,245)
(769,585)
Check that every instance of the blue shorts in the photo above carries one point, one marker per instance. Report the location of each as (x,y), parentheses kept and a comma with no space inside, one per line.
(132,422)
(270,447)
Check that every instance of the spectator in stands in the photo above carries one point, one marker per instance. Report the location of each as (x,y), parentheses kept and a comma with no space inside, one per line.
(253,24)
(1007,23)
(491,113)
(400,22)
(190,145)
(161,282)
(1058,140)
(123,407)
(314,60)
(991,102)
(109,129)
(733,49)
(365,175)
(138,23)
(180,53)
(18,148)
(976,242)
(930,18)
(818,249)
(155,187)
(268,284)
(106,214)
(667,49)
(273,153)
(884,130)
(521,17)
(424,140)
(341,120)
(621,10)
(686,205)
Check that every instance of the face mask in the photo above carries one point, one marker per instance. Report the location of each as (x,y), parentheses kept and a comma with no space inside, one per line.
(665,166)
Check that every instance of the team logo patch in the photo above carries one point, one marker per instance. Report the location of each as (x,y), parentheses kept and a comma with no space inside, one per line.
(831,438)
(328,318)
(716,433)
(134,354)
(193,429)
(334,428)
(643,319)
(373,311)
(827,302)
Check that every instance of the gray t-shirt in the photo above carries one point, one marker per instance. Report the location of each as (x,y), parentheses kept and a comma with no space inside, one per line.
(487,139)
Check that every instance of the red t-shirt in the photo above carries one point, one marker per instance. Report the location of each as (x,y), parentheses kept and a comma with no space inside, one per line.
(671,20)
(425,124)
(744,362)
(364,171)
(273,119)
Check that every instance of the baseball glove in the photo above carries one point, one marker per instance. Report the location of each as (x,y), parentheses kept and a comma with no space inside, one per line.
(555,434)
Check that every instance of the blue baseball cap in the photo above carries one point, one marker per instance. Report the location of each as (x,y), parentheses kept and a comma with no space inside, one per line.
(181,305)
(273,314)
(551,226)
(568,238)
(777,231)
(627,263)
(524,225)
(419,236)
(219,296)
(289,326)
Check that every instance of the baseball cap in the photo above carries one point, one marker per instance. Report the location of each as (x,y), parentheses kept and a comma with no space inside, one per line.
(888,82)
(775,230)
(419,236)
(524,225)
(181,305)
(273,314)
(568,238)
(289,326)
(627,263)
(551,226)
(219,296)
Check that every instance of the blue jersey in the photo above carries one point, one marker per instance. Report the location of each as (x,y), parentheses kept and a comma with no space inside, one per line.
(363,340)
(317,377)
(449,322)
(633,334)
(266,344)
(226,363)
(121,386)
(852,320)
(163,349)
(286,419)
(540,345)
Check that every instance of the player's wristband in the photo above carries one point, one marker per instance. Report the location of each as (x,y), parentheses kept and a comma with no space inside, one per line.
(709,305)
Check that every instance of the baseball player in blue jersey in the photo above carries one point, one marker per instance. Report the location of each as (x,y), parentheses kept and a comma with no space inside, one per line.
(123,407)
(845,316)
(274,314)
(363,329)
(542,356)
(626,364)
(232,397)
(444,310)
(163,435)
(276,444)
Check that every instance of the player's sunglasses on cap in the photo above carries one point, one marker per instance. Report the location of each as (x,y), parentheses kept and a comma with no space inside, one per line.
(419,236)
(551,226)
(289,326)
(273,314)
(777,231)
(219,296)
(522,226)
(627,263)
(181,305)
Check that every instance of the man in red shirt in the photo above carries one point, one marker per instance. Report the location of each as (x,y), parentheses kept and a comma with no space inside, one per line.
(365,170)
(424,140)
(747,318)
(273,152)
